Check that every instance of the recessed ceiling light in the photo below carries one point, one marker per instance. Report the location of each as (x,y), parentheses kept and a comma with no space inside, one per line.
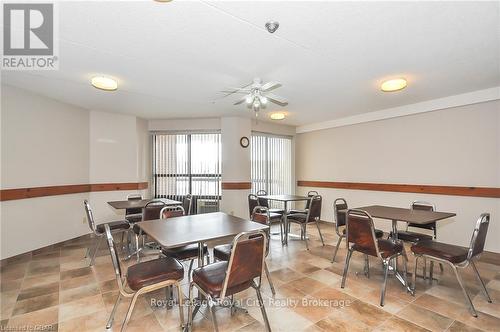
(104,83)
(393,85)
(277,116)
(163,0)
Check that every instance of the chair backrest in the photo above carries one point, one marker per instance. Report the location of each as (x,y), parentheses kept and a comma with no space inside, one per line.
(253,201)
(361,232)
(339,204)
(314,212)
(133,197)
(262,201)
(311,193)
(114,257)
(246,261)
(152,209)
(478,239)
(187,204)
(172,211)
(422,205)
(261,215)
(90,216)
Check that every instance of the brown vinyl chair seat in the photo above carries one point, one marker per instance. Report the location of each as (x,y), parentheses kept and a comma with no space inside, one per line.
(298,217)
(113,225)
(154,271)
(223,252)
(378,232)
(387,248)
(185,252)
(134,218)
(449,252)
(278,212)
(413,237)
(210,279)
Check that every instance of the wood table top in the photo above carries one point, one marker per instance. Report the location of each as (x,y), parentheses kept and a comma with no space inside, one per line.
(285,198)
(404,214)
(138,203)
(180,231)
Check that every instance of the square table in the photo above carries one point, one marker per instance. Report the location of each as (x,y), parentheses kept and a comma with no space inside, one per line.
(285,199)
(139,203)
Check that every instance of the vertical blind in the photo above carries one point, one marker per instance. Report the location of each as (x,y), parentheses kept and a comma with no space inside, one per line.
(188,163)
(271,158)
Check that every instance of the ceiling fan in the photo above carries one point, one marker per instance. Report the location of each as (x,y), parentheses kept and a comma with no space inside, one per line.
(257,95)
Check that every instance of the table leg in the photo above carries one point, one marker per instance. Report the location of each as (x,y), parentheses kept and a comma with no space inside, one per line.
(394,266)
(285,223)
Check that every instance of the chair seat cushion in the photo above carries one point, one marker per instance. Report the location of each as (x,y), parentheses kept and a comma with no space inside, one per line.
(113,225)
(412,236)
(449,252)
(297,217)
(185,252)
(223,252)
(277,211)
(133,218)
(293,211)
(387,248)
(210,278)
(154,271)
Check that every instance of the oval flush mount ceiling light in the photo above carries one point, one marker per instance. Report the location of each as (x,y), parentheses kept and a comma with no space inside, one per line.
(393,85)
(104,83)
(277,116)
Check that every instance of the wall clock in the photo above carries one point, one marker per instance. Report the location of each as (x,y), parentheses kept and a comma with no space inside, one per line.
(244,142)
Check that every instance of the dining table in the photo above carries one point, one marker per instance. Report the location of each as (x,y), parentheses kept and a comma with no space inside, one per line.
(139,203)
(395,214)
(285,199)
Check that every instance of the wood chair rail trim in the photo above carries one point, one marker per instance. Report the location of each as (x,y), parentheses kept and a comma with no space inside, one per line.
(23,193)
(236,185)
(488,192)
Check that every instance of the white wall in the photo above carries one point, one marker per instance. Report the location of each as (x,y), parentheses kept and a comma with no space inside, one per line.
(44,142)
(457,146)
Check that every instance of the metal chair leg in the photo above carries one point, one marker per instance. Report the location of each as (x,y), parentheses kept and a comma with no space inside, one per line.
(346,267)
(305,235)
(190,269)
(92,261)
(262,308)
(481,281)
(424,271)
(181,304)
(129,312)
(190,310)
(384,284)
(431,271)
(415,274)
(211,307)
(405,270)
(367,267)
(336,249)
(467,297)
(268,275)
(319,231)
(113,312)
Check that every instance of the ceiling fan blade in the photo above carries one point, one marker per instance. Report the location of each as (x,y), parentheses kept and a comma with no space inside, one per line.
(241,100)
(270,86)
(230,92)
(277,99)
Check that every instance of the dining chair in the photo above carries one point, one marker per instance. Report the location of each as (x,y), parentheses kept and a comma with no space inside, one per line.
(143,278)
(187,204)
(310,194)
(313,215)
(361,238)
(265,203)
(151,211)
(223,279)
(262,216)
(456,256)
(188,252)
(133,215)
(340,208)
(119,226)
(253,202)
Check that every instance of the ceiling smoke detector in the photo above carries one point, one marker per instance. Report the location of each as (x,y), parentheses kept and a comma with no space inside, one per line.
(272,26)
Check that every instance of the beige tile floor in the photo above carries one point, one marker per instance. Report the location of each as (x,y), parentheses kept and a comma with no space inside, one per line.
(54,286)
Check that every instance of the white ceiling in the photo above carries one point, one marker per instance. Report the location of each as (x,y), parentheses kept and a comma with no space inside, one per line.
(172,59)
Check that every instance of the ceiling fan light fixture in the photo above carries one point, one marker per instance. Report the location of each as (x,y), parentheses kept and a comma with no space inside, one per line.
(249,99)
(395,84)
(104,83)
(277,116)
(263,100)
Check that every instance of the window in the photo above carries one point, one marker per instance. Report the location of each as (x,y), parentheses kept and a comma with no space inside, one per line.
(188,163)
(271,163)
